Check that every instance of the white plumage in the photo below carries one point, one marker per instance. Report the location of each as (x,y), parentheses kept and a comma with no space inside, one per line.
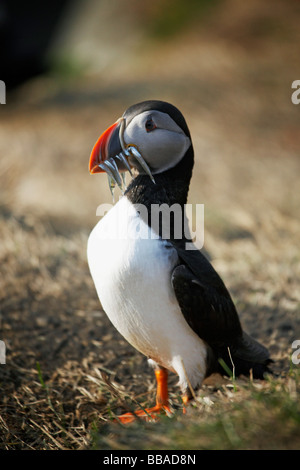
(131,270)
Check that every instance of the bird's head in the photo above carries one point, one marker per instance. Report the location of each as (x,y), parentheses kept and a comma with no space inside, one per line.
(151,137)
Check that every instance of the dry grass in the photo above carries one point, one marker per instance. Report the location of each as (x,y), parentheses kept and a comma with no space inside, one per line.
(67,370)
(225,416)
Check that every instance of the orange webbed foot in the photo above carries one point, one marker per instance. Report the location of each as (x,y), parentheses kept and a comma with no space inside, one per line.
(162,402)
(148,414)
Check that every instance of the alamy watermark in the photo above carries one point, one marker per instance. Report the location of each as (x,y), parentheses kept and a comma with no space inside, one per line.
(2,92)
(296,94)
(296,354)
(166,222)
(2,353)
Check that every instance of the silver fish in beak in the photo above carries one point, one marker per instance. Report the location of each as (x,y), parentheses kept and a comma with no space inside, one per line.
(111,155)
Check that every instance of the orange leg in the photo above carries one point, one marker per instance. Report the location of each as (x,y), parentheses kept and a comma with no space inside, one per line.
(162,400)
(185,400)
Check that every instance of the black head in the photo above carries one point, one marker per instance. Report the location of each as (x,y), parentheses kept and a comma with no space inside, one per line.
(157,105)
(151,137)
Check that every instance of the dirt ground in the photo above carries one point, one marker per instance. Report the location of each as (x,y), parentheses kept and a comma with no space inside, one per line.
(234,89)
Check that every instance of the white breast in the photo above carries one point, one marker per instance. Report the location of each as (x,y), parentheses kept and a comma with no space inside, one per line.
(131,270)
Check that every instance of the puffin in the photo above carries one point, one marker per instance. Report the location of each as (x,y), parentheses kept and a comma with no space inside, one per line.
(163,297)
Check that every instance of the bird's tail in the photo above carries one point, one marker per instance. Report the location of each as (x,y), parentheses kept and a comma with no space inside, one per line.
(246,357)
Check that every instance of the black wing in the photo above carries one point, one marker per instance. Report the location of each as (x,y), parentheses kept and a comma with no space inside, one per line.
(209,310)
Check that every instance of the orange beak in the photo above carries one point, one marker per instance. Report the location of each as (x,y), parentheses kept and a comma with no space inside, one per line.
(101,149)
(111,157)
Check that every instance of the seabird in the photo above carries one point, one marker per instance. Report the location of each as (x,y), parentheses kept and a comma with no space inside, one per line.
(165,300)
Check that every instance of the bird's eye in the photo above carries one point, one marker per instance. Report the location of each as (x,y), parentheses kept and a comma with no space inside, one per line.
(150,125)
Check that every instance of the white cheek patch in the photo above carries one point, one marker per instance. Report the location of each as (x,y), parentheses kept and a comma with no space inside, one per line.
(134,134)
(161,148)
(170,149)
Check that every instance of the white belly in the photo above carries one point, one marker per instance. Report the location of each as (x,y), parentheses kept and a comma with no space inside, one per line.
(132,275)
